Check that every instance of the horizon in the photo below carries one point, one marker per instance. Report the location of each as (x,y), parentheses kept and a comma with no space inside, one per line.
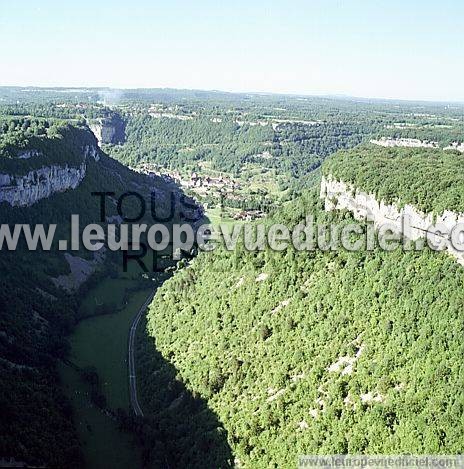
(391,50)
(334,96)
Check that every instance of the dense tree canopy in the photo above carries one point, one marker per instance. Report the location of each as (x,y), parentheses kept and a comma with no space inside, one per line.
(430,179)
(331,352)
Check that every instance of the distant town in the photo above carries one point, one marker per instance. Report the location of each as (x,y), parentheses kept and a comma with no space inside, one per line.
(202,187)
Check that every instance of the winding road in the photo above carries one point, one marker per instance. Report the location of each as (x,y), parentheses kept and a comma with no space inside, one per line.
(131,357)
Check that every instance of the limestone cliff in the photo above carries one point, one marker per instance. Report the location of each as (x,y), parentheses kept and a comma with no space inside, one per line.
(20,191)
(339,195)
(26,189)
(109,130)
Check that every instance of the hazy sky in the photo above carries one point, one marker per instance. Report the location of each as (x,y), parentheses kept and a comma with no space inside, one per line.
(412,49)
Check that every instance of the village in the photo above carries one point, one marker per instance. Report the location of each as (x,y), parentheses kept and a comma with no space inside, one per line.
(203,187)
(192,181)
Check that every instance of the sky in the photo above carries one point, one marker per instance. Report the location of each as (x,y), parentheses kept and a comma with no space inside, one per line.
(408,49)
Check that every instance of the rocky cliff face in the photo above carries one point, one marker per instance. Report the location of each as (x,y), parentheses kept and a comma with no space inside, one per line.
(25,190)
(104,133)
(21,191)
(109,130)
(404,142)
(339,195)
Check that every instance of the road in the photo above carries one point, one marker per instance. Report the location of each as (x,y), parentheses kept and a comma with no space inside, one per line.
(131,357)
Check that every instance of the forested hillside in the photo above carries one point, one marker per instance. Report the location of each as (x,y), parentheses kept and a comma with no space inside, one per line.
(248,358)
(36,313)
(294,149)
(430,179)
(319,352)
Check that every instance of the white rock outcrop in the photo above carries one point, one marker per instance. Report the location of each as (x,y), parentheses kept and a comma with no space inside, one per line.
(104,133)
(456,146)
(27,189)
(404,142)
(339,195)
(22,191)
(108,130)
(26,154)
